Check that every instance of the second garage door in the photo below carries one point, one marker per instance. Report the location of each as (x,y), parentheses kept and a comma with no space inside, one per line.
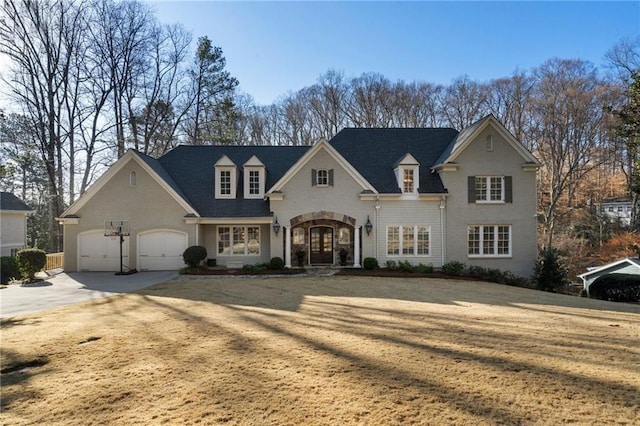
(161,250)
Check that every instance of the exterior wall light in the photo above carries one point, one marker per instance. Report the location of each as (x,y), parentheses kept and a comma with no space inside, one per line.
(276,226)
(368,226)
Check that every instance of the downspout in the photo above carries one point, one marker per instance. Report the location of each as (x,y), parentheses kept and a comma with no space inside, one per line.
(377,206)
(443,249)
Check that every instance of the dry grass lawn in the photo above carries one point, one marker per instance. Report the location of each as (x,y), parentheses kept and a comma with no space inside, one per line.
(332,350)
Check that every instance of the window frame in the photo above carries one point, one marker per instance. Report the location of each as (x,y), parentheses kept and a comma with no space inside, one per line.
(415,248)
(486,187)
(489,241)
(238,237)
(225,184)
(322,175)
(408,178)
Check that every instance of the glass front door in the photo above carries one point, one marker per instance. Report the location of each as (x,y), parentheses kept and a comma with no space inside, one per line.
(321,245)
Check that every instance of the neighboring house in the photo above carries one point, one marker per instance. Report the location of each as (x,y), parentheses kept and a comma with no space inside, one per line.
(629,266)
(13,224)
(617,208)
(423,195)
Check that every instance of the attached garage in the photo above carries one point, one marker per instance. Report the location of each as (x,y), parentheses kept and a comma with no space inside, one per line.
(161,250)
(99,253)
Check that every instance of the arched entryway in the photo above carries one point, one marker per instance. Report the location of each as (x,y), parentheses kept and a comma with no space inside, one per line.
(323,238)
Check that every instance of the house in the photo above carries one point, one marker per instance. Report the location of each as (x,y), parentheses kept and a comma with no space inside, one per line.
(628,266)
(426,195)
(617,208)
(13,222)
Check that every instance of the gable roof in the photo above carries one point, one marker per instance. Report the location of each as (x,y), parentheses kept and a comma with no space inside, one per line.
(627,265)
(9,202)
(374,153)
(468,134)
(192,169)
(321,144)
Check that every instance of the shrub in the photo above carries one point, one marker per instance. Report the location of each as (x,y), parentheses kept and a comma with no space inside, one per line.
(423,269)
(616,288)
(370,263)
(549,273)
(392,265)
(254,269)
(30,261)
(453,268)
(8,269)
(194,255)
(405,266)
(276,264)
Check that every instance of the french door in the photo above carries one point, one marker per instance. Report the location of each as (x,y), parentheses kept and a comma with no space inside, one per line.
(321,245)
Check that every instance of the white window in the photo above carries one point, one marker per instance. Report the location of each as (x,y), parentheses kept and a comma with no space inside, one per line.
(133,179)
(489,189)
(238,240)
(254,182)
(344,236)
(225,182)
(323,177)
(407,181)
(298,236)
(489,240)
(408,240)
(490,143)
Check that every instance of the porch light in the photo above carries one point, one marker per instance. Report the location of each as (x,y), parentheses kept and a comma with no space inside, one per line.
(368,226)
(276,226)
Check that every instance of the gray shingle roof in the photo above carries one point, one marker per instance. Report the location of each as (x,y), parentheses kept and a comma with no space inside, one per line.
(191,169)
(8,201)
(374,153)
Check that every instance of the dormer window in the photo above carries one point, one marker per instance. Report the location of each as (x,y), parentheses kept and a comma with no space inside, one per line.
(225,182)
(225,178)
(407,181)
(254,178)
(408,174)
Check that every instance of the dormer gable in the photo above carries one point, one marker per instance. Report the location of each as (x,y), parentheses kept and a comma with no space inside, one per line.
(226,178)
(254,173)
(407,172)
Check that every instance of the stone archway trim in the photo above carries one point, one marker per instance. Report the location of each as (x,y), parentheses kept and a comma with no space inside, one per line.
(323,215)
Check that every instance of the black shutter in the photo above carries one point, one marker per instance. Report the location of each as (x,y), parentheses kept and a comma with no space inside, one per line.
(330,177)
(508,191)
(471,189)
(314,177)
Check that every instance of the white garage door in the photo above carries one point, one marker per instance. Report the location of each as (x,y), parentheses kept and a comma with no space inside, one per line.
(100,253)
(161,250)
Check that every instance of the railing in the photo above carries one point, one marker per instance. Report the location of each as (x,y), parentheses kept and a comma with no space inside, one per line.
(54,261)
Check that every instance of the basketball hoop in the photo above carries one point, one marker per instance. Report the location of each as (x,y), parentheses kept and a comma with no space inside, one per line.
(116,228)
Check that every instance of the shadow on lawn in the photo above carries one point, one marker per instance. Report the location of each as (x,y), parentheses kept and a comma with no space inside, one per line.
(288,294)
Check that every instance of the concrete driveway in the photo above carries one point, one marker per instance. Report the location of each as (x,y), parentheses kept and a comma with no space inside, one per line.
(66,289)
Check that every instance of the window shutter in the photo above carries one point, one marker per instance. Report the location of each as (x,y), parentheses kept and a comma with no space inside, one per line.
(508,191)
(471,189)
(314,177)
(330,177)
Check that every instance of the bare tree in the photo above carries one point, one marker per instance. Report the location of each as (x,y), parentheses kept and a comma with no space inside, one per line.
(464,102)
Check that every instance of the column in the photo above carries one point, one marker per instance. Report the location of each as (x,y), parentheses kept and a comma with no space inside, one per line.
(356,246)
(287,247)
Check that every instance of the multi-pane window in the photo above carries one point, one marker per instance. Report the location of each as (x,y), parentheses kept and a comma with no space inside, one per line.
(489,188)
(239,240)
(323,177)
(489,240)
(407,181)
(225,182)
(298,235)
(393,240)
(422,240)
(254,182)
(408,240)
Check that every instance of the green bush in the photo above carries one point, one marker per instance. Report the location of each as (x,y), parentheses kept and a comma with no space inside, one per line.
(616,288)
(405,266)
(8,269)
(391,265)
(370,263)
(254,269)
(276,264)
(453,268)
(549,273)
(194,255)
(30,261)
(423,269)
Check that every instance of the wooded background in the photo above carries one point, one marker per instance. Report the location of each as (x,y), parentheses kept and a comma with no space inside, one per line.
(90,80)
